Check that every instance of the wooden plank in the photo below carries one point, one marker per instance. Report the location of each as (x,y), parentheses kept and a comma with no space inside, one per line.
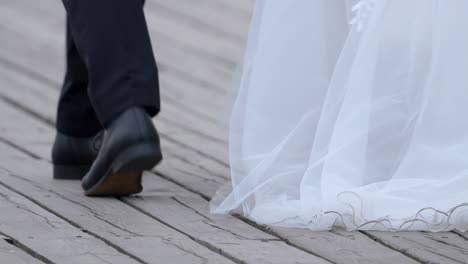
(189,121)
(181,210)
(192,122)
(196,35)
(209,129)
(188,141)
(463,234)
(181,178)
(241,8)
(334,248)
(37,137)
(202,16)
(103,217)
(34,97)
(190,36)
(12,254)
(220,150)
(192,94)
(190,213)
(446,247)
(158,207)
(109,218)
(203,191)
(181,169)
(176,152)
(50,42)
(164,202)
(441,250)
(49,236)
(190,62)
(205,148)
(180,162)
(199,187)
(344,247)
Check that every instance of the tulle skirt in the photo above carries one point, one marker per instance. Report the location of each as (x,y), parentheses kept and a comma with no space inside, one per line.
(352,114)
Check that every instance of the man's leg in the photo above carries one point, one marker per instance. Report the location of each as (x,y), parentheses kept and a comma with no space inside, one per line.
(75,114)
(75,147)
(112,39)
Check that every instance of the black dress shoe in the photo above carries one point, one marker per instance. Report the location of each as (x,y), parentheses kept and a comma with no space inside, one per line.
(72,157)
(130,146)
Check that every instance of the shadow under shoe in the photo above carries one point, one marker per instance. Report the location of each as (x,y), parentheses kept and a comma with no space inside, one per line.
(72,157)
(130,146)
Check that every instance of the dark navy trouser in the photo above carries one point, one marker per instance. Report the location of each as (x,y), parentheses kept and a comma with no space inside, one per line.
(110,65)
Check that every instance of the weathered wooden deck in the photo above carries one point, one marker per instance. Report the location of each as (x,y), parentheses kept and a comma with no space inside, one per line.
(197,43)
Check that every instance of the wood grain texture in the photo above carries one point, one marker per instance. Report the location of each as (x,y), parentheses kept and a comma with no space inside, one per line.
(151,205)
(110,219)
(164,202)
(12,254)
(49,236)
(446,247)
(190,214)
(197,46)
(341,246)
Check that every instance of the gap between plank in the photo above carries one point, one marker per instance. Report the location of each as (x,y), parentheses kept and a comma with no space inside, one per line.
(207,198)
(205,244)
(119,249)
(378,240)
(199,241)
(245,220)
(26,249)
(15,146)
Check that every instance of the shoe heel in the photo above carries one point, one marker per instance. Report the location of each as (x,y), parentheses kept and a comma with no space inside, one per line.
(69,172)
(137,158)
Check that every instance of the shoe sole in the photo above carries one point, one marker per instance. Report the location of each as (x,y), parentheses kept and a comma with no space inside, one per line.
(70,172)
(124,176)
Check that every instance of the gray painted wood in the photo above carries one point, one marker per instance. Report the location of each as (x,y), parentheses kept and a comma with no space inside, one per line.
(49,236)
(194,159)
(203,16)
(196,71)
(329,252)
(196,171)
(345,247)
(184,91)
(202,207)
(444,247)
(109,218)
(224,233)
(12,254)
(463,234)
(204,164)
(120,224)
(190,213)
(187,141)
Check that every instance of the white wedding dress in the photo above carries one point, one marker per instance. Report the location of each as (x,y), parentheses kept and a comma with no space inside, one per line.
(353,114)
